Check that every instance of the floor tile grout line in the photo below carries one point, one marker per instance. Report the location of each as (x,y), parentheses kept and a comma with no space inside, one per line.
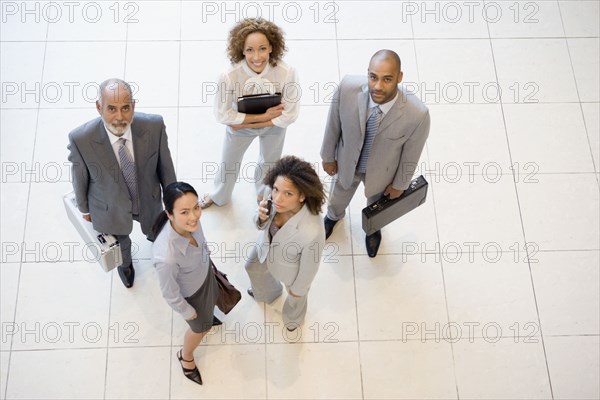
(595,167)
(414,46)
(6,385)
(437,229)
(320,40)
(171,359)
(264,309)
(179,86)
(444,284)
(566,41)
(110,295)
(337,47)
(507,249)
(303,343)
(521,219)
(447,179)
(358,339)
(491,43)
(173,314)
(352,254)
(311,105)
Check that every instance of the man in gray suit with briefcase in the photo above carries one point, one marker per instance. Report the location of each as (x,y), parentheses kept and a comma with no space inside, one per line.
(120,163)
(375,134)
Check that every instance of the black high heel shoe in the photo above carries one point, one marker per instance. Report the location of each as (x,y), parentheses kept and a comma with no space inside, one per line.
(191,374)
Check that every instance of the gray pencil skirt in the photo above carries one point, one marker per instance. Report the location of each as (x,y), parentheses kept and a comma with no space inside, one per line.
(204,301)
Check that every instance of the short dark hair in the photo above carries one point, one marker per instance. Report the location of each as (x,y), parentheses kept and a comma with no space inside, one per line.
(239,33)
(304,176)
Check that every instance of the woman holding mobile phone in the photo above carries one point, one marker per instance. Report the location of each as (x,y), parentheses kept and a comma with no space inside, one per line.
(291,239)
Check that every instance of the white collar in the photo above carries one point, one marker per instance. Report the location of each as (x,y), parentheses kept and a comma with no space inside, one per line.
(182,243)
(385,107)
(251,72)
(114,138)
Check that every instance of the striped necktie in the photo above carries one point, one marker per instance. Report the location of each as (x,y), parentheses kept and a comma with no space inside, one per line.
(372,127)
(130,174)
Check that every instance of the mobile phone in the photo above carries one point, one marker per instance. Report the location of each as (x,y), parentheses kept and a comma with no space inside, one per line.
(269,205)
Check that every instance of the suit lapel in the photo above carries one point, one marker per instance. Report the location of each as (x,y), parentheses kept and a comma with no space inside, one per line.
(140,146)
(363,104)
(104,150)
(290,228)
(394,114)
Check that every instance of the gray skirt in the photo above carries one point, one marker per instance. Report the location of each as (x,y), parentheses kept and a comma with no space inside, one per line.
(204,301)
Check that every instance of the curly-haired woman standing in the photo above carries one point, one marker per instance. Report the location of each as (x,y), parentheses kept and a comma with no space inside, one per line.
(255,48)
(291,239)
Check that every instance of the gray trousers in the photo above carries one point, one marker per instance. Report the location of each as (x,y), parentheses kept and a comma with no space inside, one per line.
(339,198)
(235,145)
(266,288)
(125,244)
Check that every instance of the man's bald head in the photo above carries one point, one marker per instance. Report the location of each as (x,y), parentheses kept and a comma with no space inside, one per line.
(384,75)
(114,87)
(387,55)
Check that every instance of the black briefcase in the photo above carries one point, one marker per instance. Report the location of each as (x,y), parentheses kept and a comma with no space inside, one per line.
(377,215)
(258,103)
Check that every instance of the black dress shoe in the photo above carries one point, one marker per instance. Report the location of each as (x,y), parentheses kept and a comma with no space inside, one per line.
(372,242)
(127,275)
(191,373)
(329,224)
(216,321)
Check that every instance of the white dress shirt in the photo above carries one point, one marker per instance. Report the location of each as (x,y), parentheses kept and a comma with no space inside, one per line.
(240,80)
(385,107)
(114,142)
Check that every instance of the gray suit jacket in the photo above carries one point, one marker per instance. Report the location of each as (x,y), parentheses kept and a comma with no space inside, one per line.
(397,146)
(98,182)
(294,255)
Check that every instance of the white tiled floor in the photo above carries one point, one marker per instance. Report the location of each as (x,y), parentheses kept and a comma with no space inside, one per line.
(490,290)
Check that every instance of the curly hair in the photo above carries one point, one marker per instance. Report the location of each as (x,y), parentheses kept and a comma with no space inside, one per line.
(239,33)
(304,176)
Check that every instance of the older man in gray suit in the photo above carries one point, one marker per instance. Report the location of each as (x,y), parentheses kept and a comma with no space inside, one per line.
(119,163)
(375,134)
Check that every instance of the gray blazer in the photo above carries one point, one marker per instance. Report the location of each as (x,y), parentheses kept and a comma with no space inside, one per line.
(98,182)
(294,255)
(397,146)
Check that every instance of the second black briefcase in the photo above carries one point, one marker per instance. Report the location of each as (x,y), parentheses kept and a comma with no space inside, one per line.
(380,213)
(258,103)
